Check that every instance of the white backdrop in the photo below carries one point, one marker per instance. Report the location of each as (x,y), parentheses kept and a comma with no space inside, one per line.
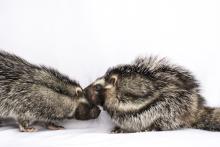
(82,38)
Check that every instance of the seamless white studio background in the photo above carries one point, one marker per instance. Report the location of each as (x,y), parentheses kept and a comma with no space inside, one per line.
(82,38)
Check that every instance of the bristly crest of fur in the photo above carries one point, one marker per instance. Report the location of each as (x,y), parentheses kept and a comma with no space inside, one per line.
(152,94)
(147,66)
(152,63)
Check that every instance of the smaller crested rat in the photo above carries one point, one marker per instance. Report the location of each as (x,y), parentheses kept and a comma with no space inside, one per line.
(152,95)
(30,93)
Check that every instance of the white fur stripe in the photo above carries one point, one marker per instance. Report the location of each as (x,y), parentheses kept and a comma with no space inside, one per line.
(100,81)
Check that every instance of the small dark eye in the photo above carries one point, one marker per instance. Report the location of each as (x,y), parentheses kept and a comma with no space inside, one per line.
(98,87)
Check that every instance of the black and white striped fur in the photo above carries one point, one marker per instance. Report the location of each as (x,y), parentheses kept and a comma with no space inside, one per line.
(152,94)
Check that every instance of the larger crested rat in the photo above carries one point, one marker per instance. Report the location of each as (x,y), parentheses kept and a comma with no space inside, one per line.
(152,94)
(30,93)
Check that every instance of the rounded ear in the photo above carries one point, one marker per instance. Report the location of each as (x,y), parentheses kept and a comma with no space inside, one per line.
(78,91)
(113,80)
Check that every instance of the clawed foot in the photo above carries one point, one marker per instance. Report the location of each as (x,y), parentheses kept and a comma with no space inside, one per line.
(24,126)
(29,129)
(52,126)
(118,130)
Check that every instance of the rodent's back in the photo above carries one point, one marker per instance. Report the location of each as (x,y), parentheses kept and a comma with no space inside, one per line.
(13,69)
(168,73)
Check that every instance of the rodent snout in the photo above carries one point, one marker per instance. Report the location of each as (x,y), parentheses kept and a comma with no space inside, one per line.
(93,96)
(87,111)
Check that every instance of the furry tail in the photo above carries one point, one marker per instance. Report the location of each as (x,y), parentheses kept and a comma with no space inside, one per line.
(209,119)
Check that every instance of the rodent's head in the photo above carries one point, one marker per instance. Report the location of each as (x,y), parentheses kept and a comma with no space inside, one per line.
(123,84)
(84,110)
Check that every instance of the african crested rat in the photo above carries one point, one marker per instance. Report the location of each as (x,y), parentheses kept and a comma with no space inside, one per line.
(30,93)
(152,94)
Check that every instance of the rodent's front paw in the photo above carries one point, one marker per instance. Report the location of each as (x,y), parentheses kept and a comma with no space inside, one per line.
(52,126)
(117,130)
(29,129)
